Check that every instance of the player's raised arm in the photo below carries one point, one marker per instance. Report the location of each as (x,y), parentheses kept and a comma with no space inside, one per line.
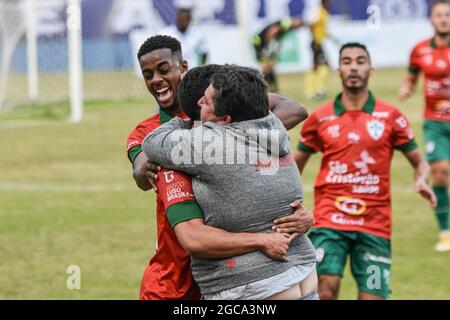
(290,112)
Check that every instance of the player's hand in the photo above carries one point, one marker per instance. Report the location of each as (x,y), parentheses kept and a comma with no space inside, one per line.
(276,245)
(150,170)
(298,222)
(425,191)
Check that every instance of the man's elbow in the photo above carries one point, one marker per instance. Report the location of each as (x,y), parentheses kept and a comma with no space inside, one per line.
(193,248)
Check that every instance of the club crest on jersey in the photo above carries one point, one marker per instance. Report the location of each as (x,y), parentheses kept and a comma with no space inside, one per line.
(375,129)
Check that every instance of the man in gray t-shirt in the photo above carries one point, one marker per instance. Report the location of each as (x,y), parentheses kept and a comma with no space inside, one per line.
(240,161)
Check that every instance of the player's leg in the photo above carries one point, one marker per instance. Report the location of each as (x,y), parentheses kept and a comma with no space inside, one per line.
(437,149)
(310,77)
(268,71)
(321,74)
(370,260)
(332,248)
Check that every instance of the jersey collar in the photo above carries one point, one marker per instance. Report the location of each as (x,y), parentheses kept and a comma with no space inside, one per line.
(368,106)
(433,43)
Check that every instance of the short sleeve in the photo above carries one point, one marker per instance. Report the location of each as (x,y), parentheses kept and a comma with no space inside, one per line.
(134,141)
(414,61)
(309,140)
(402,134)
(175,191)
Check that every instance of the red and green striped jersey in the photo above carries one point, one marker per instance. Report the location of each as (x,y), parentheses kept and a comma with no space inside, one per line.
(352,189)
(434,62)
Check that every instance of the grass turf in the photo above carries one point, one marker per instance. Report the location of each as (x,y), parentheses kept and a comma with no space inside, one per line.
(67,198)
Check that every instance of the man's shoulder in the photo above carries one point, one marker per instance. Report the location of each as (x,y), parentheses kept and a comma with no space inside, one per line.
(150,123)
(384,109)
(142,129)
(423,46)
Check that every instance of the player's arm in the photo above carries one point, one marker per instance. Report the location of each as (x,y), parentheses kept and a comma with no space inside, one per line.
(421,173)
(309,142)
(290,112)
(203,241)
(408,85)
(301,158)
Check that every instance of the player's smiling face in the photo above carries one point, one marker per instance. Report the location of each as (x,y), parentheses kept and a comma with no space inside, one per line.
(354,69)
(162,71)
(440,18)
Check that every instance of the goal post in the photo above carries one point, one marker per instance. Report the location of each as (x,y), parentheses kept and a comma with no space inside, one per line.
(75,60)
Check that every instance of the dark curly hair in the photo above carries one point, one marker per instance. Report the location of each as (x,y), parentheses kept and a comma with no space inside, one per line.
(160,42)
(193,87)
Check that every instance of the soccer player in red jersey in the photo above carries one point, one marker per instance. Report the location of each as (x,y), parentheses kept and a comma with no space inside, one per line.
(168,275)
(357,135)
(432,58)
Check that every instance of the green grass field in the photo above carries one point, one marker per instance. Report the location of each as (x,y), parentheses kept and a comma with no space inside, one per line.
(67,198)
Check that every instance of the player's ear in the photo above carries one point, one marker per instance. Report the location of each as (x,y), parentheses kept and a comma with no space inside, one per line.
(184,66)
(227,119)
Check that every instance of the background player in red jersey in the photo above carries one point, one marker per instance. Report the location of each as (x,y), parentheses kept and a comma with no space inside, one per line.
(168,275)
(432,57)
(357,135)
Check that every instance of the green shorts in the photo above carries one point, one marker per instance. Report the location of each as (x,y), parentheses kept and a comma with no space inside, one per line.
(437,140)
(370,258)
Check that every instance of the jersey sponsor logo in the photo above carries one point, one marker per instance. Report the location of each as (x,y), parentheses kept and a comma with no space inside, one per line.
(339,218)
(334,131)
(375,129)
(168,176)
(443,108)
(380,114)
(328,118)
(176,191)
(363,164)
(351,206)
(132,144)
(339,174)
(354,137)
